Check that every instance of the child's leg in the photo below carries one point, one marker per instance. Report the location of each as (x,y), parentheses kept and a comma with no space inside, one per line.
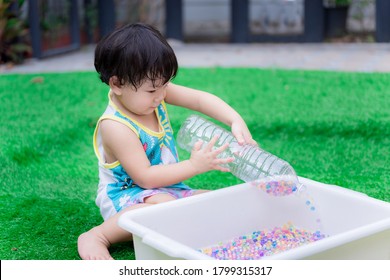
(159,198)
(94,244)
(200,191)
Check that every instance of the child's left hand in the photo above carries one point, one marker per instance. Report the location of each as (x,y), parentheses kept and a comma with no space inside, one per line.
(241,132)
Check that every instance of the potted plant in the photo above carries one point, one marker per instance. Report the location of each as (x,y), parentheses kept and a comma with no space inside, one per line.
(336,13)
(13,33)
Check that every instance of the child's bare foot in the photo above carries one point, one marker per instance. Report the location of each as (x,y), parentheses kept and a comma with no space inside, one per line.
(92,245)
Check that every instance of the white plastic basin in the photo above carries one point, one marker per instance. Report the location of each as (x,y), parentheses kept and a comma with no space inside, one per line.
(357,226)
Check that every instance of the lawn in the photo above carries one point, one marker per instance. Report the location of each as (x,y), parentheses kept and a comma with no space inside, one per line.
(331,127)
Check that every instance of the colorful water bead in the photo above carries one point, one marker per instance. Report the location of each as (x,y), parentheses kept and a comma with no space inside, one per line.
(263,243)
(278,188)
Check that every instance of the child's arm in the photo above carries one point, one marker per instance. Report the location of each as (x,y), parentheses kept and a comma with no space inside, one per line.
(212,106)
(123,145)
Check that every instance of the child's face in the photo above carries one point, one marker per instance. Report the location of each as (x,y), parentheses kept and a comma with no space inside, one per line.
(143,100)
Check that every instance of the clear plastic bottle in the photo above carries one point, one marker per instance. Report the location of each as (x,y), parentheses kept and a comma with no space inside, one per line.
(251,162)
(269,173)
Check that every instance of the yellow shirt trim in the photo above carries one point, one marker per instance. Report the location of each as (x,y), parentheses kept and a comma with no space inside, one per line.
(158,134)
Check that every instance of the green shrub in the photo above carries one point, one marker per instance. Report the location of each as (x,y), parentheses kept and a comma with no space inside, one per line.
(14,45)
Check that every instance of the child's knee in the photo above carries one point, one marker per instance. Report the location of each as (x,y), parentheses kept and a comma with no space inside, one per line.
(159,198)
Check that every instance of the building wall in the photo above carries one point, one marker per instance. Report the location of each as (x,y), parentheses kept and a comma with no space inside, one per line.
(211,18)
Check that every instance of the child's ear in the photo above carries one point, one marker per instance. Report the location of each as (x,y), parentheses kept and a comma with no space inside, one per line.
(115,85)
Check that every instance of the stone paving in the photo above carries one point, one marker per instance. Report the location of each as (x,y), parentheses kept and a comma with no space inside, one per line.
(360,57)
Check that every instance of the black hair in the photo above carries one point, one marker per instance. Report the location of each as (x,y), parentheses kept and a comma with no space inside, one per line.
(134,53)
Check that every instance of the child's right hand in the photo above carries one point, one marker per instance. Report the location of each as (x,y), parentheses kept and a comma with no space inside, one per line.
(205,159)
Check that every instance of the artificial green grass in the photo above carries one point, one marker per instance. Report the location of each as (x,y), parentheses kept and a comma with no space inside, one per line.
(332,127)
